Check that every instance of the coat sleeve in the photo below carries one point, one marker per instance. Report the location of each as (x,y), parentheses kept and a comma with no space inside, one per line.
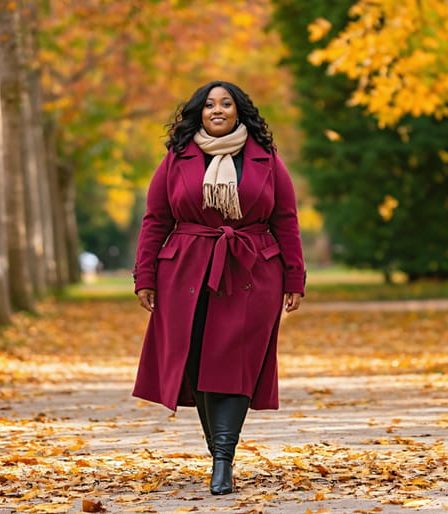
(284,226)
(157,223)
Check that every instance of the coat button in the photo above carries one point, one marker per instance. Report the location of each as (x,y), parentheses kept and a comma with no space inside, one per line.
(191,290)
(247,285)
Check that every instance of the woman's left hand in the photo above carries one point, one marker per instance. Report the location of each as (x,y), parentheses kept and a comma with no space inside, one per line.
(291,301)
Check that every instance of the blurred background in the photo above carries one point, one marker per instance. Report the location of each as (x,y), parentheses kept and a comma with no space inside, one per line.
(354,92)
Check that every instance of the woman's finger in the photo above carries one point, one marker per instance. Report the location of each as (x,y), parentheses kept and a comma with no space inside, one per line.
(152,300)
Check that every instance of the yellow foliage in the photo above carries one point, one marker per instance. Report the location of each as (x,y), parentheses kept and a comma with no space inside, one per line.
(387,208)
(119,205)
(310,219)
(318,29)
(397,53)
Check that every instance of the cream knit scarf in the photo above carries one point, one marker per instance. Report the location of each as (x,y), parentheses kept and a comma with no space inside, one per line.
(219,187)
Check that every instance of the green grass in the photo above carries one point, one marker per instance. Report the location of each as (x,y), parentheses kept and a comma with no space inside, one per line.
(330,284)
(105,287)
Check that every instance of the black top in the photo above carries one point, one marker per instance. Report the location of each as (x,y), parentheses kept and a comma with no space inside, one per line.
(237,160)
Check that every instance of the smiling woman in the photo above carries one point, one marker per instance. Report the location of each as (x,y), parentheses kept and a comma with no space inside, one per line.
(215,255)
(219,115)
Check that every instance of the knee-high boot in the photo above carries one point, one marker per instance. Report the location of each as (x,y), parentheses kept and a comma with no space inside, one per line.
(199,397)
(193,361)
(225,414)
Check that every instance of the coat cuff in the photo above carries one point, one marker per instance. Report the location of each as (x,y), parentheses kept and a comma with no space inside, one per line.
(144,280)
(294,281)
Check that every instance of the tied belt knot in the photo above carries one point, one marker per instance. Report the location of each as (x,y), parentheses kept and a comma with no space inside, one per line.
(231,243)
(228,231)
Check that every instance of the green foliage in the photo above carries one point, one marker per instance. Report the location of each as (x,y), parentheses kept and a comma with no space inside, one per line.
(352,173)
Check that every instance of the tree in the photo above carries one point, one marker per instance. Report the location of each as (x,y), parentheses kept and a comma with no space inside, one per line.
(382,192)
(28,263)
(396,53)
(20,285)
(113,72)
(5,304)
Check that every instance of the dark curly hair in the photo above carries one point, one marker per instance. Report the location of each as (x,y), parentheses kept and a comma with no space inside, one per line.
(188,117)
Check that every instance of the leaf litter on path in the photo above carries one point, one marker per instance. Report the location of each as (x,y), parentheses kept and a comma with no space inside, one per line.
(72,433)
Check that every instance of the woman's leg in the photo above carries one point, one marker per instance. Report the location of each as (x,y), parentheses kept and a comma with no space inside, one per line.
(194,357)
(226,414)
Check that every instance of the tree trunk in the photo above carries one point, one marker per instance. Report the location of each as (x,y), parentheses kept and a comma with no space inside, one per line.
(58,222)
(46,201)
(34,174)
(5,306)
(387,275)
(67,185)
(10,96)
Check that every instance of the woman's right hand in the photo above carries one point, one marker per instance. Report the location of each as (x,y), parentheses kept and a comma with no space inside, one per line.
(147,298)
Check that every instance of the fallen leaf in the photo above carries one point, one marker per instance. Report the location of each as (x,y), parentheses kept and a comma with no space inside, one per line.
(92,506)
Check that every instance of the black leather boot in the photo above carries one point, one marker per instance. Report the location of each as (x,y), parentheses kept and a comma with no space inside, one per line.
(194,357)
(225,414)
(199,397)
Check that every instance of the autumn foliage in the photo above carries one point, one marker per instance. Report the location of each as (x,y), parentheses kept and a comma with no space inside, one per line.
(382,190)
(114,72)
(396,53)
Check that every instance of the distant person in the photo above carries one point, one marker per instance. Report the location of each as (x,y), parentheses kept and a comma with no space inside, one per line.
(218,253)
(90,265)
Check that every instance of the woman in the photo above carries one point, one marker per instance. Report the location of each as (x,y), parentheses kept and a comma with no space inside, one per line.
(218,247)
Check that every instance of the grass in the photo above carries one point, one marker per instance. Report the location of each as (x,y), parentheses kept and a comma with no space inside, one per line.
(323,285)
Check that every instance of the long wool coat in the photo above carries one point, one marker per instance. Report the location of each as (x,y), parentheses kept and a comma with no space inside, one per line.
(254,260)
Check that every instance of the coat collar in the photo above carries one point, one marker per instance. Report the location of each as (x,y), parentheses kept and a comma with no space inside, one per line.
(256,169)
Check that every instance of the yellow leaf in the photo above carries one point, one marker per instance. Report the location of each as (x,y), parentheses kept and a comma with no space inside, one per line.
(299,463)
(318,29)
(417,502)
(332,135)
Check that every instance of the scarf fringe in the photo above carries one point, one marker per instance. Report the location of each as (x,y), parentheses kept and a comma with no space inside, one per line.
(223,197)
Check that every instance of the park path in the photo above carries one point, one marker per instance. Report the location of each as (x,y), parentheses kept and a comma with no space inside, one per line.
(358,431)
(384,306)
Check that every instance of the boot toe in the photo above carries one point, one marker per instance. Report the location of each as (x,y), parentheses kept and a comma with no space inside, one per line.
(222,480)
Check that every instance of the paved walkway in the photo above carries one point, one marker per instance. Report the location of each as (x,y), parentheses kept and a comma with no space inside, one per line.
(335,430)
(340,443)
(386,306)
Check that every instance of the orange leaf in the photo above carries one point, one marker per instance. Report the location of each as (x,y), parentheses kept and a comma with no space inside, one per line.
(92,506)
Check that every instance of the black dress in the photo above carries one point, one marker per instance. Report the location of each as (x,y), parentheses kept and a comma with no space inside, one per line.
(197,331)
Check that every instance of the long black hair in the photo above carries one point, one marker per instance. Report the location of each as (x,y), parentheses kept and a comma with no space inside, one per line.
(188,117)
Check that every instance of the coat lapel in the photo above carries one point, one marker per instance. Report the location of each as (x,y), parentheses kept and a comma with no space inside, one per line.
(256,169)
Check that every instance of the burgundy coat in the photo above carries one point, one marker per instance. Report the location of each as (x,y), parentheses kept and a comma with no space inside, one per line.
(254,261)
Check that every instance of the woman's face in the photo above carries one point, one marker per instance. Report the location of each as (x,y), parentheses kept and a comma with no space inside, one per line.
(219,112)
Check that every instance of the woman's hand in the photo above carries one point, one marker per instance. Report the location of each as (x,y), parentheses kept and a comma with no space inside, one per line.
(147,298)
(291,301)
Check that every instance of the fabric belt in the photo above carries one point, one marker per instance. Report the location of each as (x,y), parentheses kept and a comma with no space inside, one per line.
(237,242)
